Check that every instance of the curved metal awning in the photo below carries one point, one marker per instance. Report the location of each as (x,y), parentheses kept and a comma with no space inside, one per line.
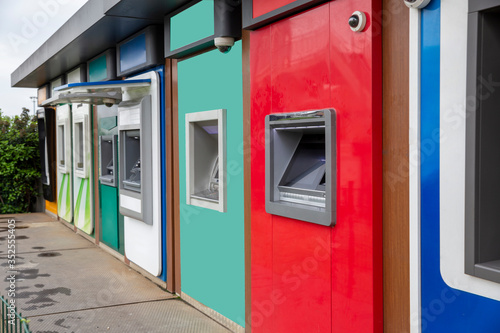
(96,93)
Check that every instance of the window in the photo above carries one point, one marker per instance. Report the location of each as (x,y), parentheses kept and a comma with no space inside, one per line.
(205,159)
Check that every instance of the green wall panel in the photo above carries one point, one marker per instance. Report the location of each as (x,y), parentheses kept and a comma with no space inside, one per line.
(212,243)
(192,24)
(110,219)
(98,69)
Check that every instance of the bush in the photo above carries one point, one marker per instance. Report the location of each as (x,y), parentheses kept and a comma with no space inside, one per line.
(19,163)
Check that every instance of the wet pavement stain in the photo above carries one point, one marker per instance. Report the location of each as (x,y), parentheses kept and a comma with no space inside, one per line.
(60,322)
(42,298)
(17,237)
(30,274)
(49,254)
(4,229)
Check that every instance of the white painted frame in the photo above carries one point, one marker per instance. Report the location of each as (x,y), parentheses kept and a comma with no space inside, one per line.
(191,119)
(80,118)
(143,245)
(414,181)
(64,121)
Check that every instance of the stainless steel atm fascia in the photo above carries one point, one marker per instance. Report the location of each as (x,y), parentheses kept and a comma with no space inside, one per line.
(284,133)
(135,123)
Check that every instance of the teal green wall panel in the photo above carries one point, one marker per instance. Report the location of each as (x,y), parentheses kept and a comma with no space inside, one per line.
(109,213)
(212,243)
(98,69)
(192,24)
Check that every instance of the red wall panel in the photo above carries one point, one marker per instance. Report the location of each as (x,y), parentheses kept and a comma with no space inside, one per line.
(261,7)
(307,277)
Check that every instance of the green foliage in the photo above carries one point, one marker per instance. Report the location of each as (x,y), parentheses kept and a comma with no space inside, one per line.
(19,162)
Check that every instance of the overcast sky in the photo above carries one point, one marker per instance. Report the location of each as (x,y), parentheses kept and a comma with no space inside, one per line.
(24,26)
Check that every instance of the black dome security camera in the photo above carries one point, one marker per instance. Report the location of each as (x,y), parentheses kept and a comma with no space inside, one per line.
(357,21)
(224,44)
(416,4)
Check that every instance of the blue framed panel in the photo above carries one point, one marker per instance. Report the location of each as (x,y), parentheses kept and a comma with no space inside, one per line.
(444,309)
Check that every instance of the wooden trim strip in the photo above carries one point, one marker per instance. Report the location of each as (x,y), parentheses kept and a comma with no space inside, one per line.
(396,241)
(176,188)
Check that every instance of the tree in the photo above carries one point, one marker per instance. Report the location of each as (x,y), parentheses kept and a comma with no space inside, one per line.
(19,162)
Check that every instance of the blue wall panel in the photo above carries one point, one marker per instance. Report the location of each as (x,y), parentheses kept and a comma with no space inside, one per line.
(444,309)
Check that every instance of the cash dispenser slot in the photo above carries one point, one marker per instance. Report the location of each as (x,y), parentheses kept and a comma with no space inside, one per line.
(300,168)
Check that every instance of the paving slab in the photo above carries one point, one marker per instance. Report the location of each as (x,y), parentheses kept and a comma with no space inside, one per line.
(172,316)
(69,280)
(42,236)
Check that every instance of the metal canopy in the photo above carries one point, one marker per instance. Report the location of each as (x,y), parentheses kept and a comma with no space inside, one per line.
(97,26)
(96,93)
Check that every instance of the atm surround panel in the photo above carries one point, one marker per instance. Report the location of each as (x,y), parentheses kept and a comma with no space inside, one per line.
(134,120)
(205,154)
(300,166)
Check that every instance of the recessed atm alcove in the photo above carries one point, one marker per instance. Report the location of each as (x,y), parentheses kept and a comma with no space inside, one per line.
(205,159)
(300,166)
(131,141)
(108,160)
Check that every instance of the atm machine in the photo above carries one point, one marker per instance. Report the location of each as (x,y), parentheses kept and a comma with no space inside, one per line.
(64,160)
(82,167)
(82,157)
(300,165)
(111,219)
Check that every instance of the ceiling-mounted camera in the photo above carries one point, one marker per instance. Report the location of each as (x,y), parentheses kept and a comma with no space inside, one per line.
(417,4)
(224,44)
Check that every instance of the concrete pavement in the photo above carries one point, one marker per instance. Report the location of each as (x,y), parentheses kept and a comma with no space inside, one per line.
(67,284)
